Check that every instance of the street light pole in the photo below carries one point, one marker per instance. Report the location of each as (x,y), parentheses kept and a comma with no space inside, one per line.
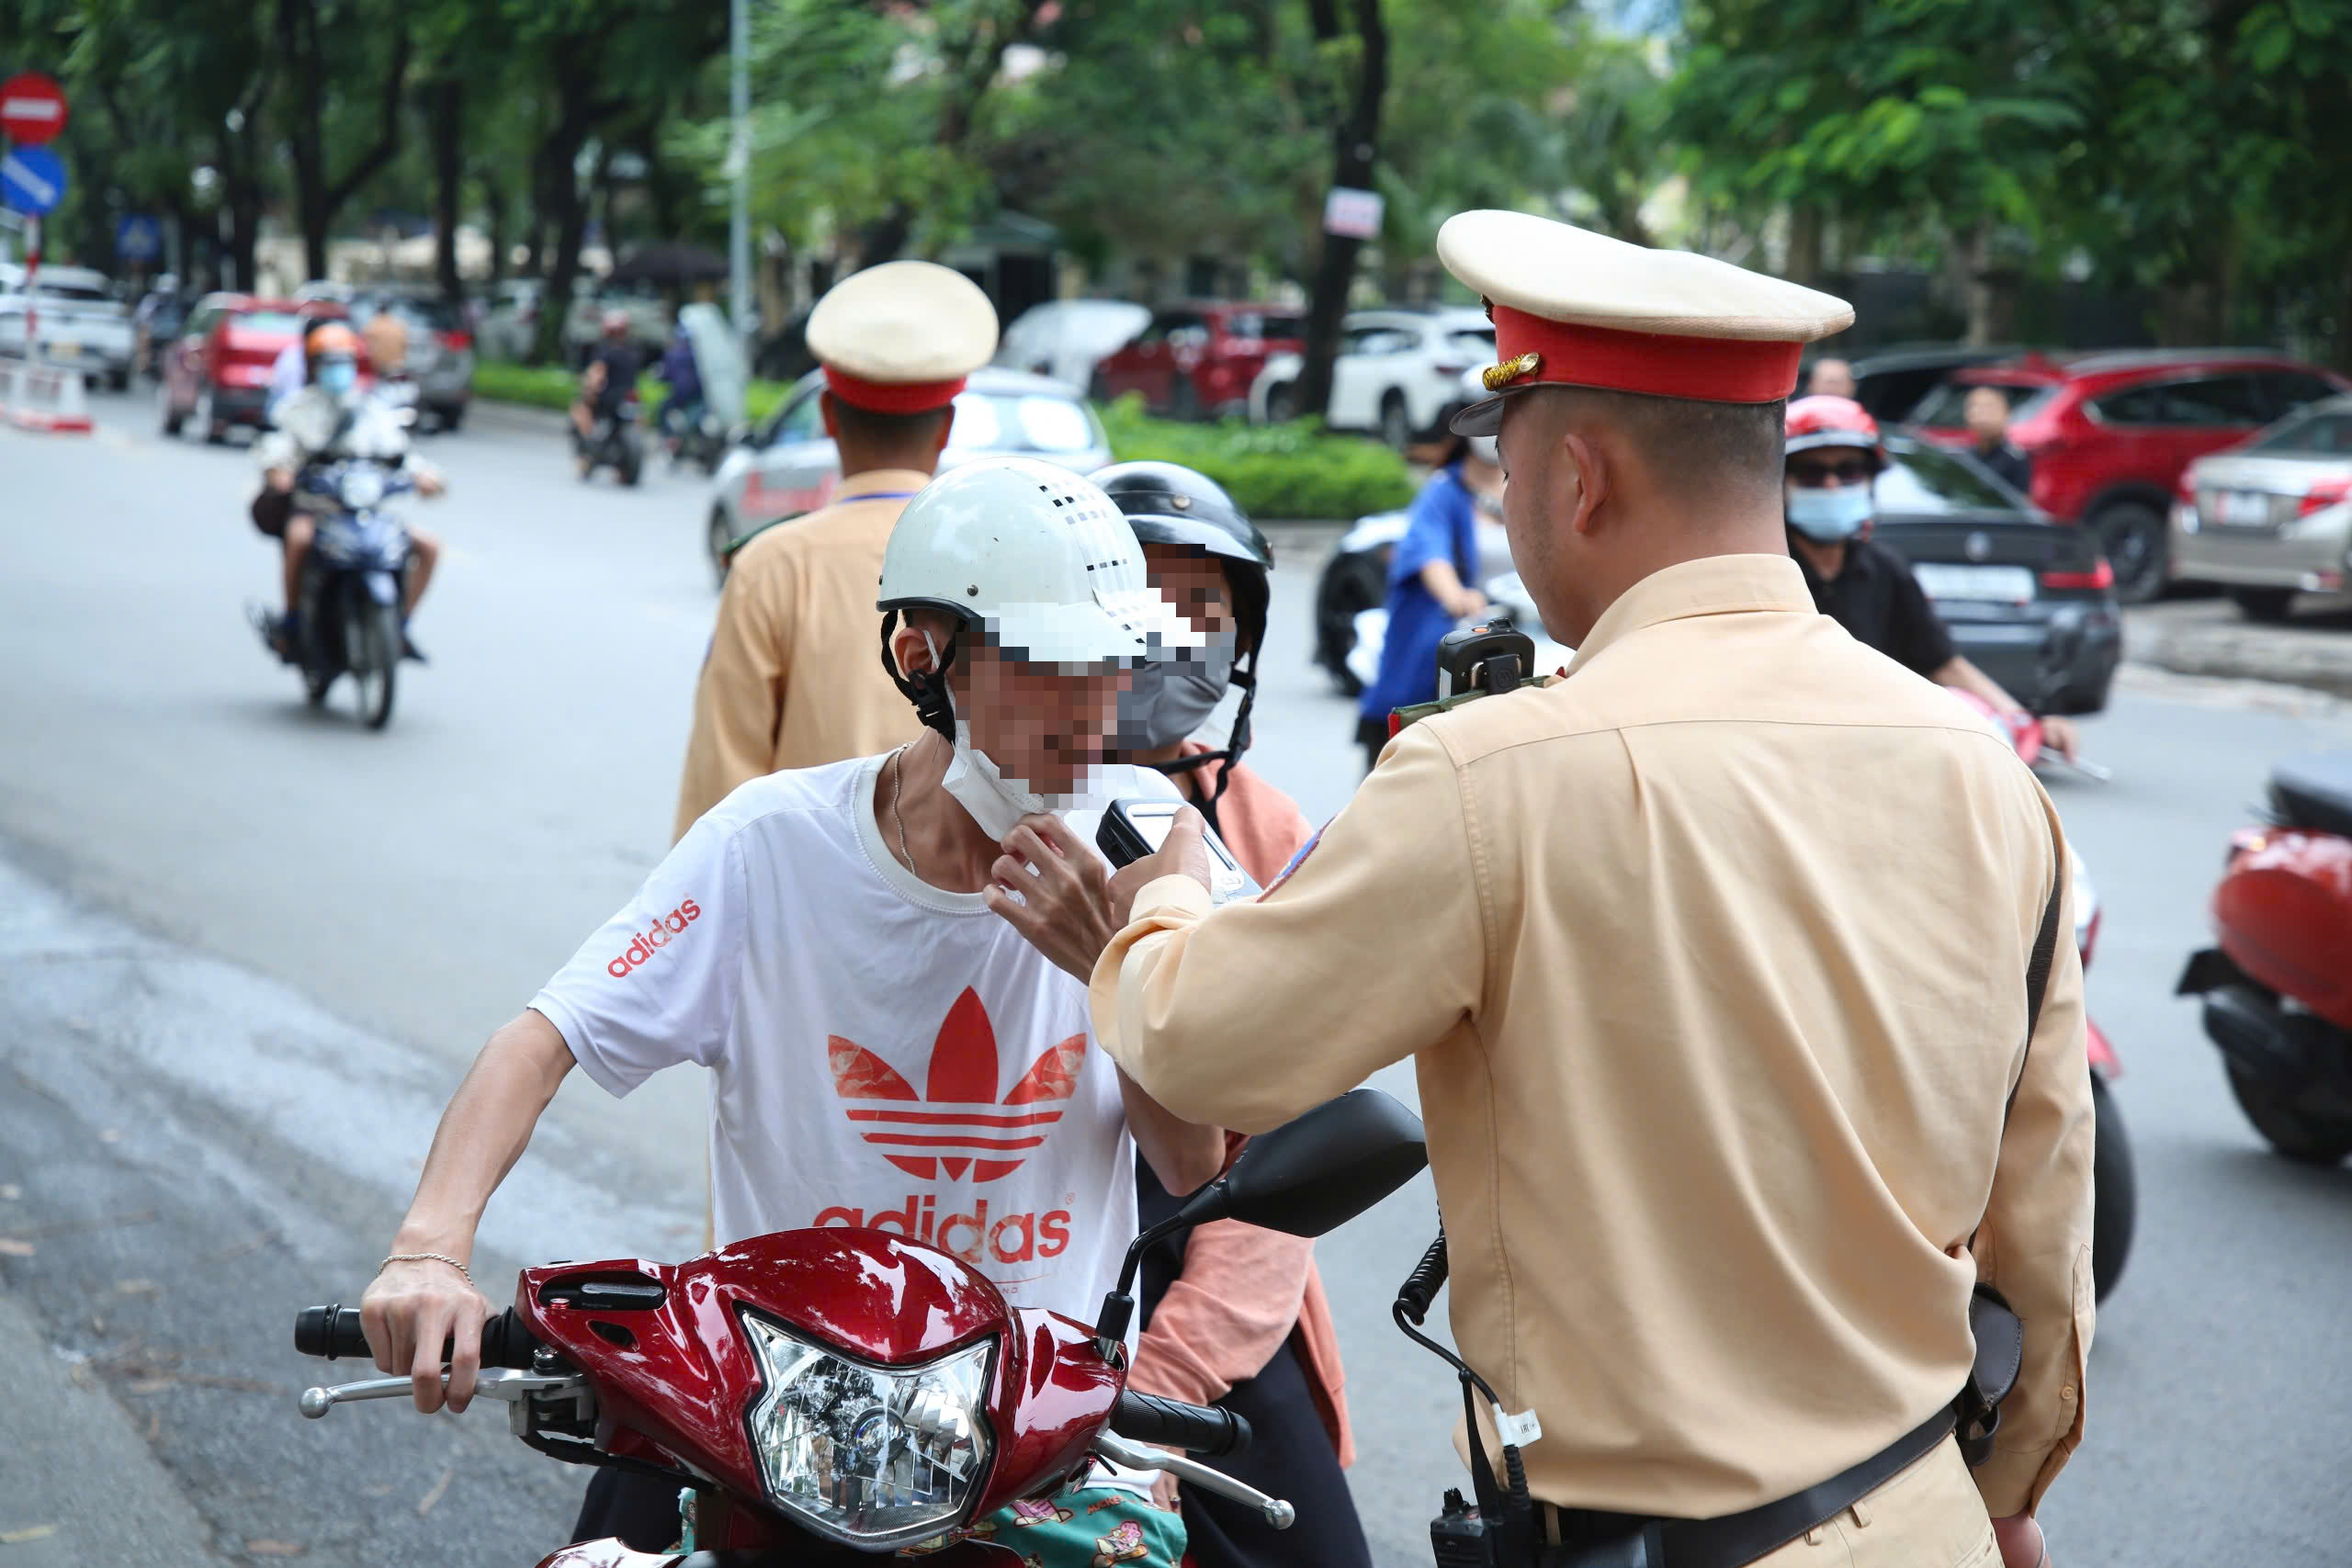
(739,159)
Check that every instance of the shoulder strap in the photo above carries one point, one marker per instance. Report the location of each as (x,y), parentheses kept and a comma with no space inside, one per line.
(2037,968)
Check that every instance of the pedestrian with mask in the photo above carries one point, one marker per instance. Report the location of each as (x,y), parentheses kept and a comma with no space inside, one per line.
(1431,580)
(1233,1314)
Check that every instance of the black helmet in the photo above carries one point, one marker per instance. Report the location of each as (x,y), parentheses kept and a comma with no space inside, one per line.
(1167,503)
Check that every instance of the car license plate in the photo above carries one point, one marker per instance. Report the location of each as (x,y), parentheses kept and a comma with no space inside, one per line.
(1996,584)
(62,350)
(2241,509)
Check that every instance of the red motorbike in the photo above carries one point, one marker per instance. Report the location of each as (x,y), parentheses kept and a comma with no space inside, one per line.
(826,1395)
(2278,989)
(2115,1202)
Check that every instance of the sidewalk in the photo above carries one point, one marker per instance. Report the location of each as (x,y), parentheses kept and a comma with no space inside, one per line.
(78,1486)
(2208,636)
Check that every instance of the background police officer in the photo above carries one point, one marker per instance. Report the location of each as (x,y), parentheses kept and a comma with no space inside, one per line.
(794,678)
(1730,1091)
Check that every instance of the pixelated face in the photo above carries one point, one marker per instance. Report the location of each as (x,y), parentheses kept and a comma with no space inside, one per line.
(1042,725)
(1193,580)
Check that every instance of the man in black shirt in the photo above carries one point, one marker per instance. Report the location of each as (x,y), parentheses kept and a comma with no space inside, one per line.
(1833,453)
(611,371)
(1987,414)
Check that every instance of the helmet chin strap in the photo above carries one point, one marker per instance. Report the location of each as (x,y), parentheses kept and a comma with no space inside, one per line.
(926,689)
(1231,753)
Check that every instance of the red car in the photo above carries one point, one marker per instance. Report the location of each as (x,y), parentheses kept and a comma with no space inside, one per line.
(2111,433)
(217,375)
(1200,359)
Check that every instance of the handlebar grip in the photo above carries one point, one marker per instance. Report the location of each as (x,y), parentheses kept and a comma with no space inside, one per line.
(1172,1424)
(334,1332)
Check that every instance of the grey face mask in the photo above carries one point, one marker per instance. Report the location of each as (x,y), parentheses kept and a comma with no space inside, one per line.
(1165,701)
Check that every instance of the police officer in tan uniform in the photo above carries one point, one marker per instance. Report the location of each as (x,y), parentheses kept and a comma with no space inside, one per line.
(794,678)
(1712,957)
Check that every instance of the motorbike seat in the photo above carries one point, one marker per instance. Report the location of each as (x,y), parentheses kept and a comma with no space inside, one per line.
(2314,792)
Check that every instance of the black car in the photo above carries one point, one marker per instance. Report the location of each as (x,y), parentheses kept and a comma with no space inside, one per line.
(2028,600)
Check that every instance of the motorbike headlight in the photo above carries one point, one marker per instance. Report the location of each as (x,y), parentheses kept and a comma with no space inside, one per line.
(869,1456)
(362,489)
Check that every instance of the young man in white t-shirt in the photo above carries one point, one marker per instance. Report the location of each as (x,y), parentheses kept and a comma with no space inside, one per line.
(885,1050)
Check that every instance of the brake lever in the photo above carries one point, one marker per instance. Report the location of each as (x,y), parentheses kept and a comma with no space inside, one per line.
(1279,1514)
(504,1384)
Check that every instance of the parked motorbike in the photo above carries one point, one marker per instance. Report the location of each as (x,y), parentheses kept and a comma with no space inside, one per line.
(612,441)
(828,1394)
(1506,594)
(2278,986)
(349,598)
(2114,1179)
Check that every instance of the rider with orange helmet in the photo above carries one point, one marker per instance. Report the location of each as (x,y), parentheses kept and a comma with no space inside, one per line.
(307,423)
(1831,457)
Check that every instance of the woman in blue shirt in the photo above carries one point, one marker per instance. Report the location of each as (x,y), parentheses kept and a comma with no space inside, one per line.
(1429,579)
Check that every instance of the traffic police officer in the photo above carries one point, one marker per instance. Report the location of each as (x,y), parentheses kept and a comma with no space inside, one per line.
(1713,977)
(794,678)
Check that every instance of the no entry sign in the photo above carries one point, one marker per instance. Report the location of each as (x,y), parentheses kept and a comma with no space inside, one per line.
(32,110)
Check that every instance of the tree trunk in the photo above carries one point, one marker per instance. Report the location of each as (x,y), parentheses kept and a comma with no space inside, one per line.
(493,206)
(2343,356)
(1356,151)
(567,211)
(319,196)
(448,108)
(1804,246)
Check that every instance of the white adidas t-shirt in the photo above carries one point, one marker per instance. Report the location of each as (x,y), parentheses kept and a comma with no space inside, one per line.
(883,1054)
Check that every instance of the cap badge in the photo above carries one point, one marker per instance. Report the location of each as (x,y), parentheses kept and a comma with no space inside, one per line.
(1497,377)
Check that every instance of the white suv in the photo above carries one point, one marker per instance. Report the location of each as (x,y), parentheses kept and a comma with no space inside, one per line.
(1397,368)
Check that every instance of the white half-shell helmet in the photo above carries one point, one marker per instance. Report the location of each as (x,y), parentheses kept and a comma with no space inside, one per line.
(1038,560)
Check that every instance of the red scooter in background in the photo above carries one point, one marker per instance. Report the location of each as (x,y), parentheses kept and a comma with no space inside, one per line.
(2278,989)
(831,1395)
(2116,1186)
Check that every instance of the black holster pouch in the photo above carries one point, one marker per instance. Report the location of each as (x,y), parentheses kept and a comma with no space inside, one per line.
(2000,1351)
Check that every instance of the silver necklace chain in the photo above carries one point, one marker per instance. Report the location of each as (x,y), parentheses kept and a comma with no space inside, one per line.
(898,792)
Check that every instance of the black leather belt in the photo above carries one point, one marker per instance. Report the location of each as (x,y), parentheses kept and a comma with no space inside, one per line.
(1737,1539)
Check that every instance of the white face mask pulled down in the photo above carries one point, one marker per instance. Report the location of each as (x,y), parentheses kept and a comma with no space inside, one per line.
(998,804)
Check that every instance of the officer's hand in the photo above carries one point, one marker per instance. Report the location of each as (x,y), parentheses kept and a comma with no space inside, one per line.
(2060,736)
(1064,908)
(1185,854)
(2019,1537)
(407,1313)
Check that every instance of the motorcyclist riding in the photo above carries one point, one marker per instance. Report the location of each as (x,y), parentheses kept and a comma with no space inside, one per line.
(308,422)
(1831,456)
(682,408)
(612,371)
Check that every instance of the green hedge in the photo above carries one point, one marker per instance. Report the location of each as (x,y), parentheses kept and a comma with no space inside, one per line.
(548,387)
(1293,470)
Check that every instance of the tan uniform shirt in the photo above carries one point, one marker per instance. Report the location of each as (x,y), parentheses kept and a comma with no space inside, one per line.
(794,678)
(1712,957)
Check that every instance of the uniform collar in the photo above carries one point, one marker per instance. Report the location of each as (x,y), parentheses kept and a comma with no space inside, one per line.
(882,481)
(1711,585)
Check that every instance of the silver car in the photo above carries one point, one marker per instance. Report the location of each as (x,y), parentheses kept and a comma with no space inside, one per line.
(2272,518)
(786,466)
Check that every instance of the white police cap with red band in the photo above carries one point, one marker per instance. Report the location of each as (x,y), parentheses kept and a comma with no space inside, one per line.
(1576,309)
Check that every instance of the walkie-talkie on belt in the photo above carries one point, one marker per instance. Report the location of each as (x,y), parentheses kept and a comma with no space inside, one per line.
(1485,660)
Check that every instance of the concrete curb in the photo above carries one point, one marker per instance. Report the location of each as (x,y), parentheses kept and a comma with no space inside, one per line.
(2212,639)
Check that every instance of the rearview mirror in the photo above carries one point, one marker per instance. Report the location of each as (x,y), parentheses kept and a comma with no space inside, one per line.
(1304,1177)
(1314,1173)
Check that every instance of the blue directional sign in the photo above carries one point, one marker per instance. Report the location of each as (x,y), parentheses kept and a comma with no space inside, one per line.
(137,238)
(33,179)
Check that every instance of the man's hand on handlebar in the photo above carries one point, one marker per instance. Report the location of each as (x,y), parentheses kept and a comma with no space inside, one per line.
(2060,736)
(420,1304)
